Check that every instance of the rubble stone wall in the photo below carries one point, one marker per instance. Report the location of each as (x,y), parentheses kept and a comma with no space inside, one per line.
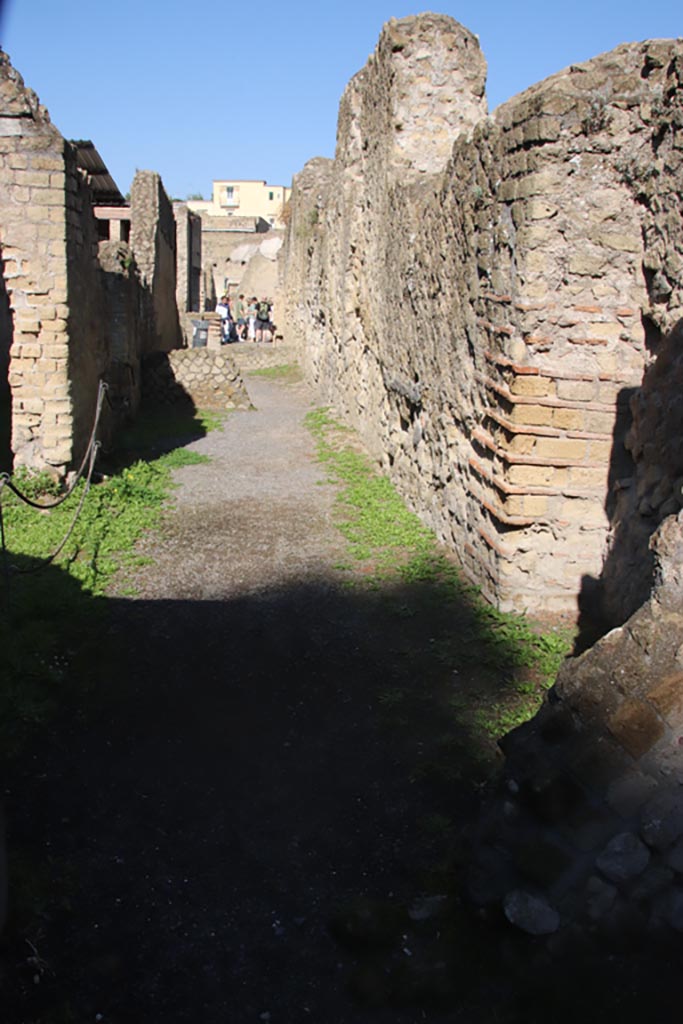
(211,380)
(153,241)
(482,295)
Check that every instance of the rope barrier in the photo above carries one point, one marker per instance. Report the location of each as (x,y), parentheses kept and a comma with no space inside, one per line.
(5,480)
(88,460)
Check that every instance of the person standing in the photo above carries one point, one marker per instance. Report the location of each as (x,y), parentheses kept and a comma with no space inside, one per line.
(223,310)
(251,319)
(262,320)
(240,313)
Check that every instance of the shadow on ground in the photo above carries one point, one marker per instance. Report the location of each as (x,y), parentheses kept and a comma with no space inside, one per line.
(250,810)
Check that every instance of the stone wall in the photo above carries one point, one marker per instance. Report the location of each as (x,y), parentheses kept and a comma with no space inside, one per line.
(188,259)
(72,313)
(481,296)
(238,256)
(210,380)
(40,228)
(586,831)
(153,240)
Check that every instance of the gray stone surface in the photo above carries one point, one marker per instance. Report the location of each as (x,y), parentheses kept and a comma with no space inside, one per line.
(531,914)
(624,857)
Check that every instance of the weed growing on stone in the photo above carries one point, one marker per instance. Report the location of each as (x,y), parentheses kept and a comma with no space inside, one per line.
(387,545)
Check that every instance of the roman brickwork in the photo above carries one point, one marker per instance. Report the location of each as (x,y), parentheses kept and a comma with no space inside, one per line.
(482,295)
(496,303)
(75,310)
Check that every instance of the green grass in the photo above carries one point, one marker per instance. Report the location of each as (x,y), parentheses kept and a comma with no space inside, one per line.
(387,544)
(287,372)
(50,611)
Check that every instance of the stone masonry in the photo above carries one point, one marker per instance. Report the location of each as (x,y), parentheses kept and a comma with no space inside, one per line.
(585,834)
(209,379)
(75,310)
(40,219)
(482,295)
(497,304)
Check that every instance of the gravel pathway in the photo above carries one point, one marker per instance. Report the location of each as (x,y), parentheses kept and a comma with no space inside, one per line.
(238,783)
(255,518)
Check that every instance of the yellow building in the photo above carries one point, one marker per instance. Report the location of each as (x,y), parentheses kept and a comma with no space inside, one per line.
(245,199)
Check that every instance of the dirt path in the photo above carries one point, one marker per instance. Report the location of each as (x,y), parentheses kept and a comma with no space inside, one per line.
(240,781)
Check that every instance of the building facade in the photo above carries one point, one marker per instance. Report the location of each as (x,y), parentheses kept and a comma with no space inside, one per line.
(252,199)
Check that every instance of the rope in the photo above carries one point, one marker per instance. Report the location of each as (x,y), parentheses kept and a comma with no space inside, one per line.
(5,480)
(89,461)
(50,558)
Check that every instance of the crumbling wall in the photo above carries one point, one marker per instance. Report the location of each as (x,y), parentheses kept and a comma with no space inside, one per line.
(188,258)
(153,241)
(586,830)
(480,295)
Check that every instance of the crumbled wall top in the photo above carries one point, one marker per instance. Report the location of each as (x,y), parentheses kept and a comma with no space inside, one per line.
(15,99)
(422,88)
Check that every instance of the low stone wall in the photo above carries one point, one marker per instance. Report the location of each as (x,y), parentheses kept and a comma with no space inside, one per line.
(209,379)
(263,355)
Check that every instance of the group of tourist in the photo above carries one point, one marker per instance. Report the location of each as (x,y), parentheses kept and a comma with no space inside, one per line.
(244,320)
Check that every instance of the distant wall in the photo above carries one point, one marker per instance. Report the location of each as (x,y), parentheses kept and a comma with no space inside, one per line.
(153,240)
(188,258)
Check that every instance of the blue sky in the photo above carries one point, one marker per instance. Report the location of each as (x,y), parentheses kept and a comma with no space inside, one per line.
(214,90)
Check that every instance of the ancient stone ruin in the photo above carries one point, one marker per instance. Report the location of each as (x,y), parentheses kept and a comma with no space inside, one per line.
(91,288)
(481,296)
(495,302)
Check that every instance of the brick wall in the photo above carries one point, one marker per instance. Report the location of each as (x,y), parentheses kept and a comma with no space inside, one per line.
(481,300)
(35,180)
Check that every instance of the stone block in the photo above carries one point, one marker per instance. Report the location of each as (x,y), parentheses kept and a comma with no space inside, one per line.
(562,449)
(533,415)
(41,162)
(599,422)
(531,914)
(568,419)
(618,241)
(602,329)
(530,476)
(625,857)
(530,385)
(535,505)
(636,727)
(576,390)
(587,265)
(667,697)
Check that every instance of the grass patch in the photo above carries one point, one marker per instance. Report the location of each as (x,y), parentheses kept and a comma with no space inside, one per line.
(287,372)
(50,611)
(510,658)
